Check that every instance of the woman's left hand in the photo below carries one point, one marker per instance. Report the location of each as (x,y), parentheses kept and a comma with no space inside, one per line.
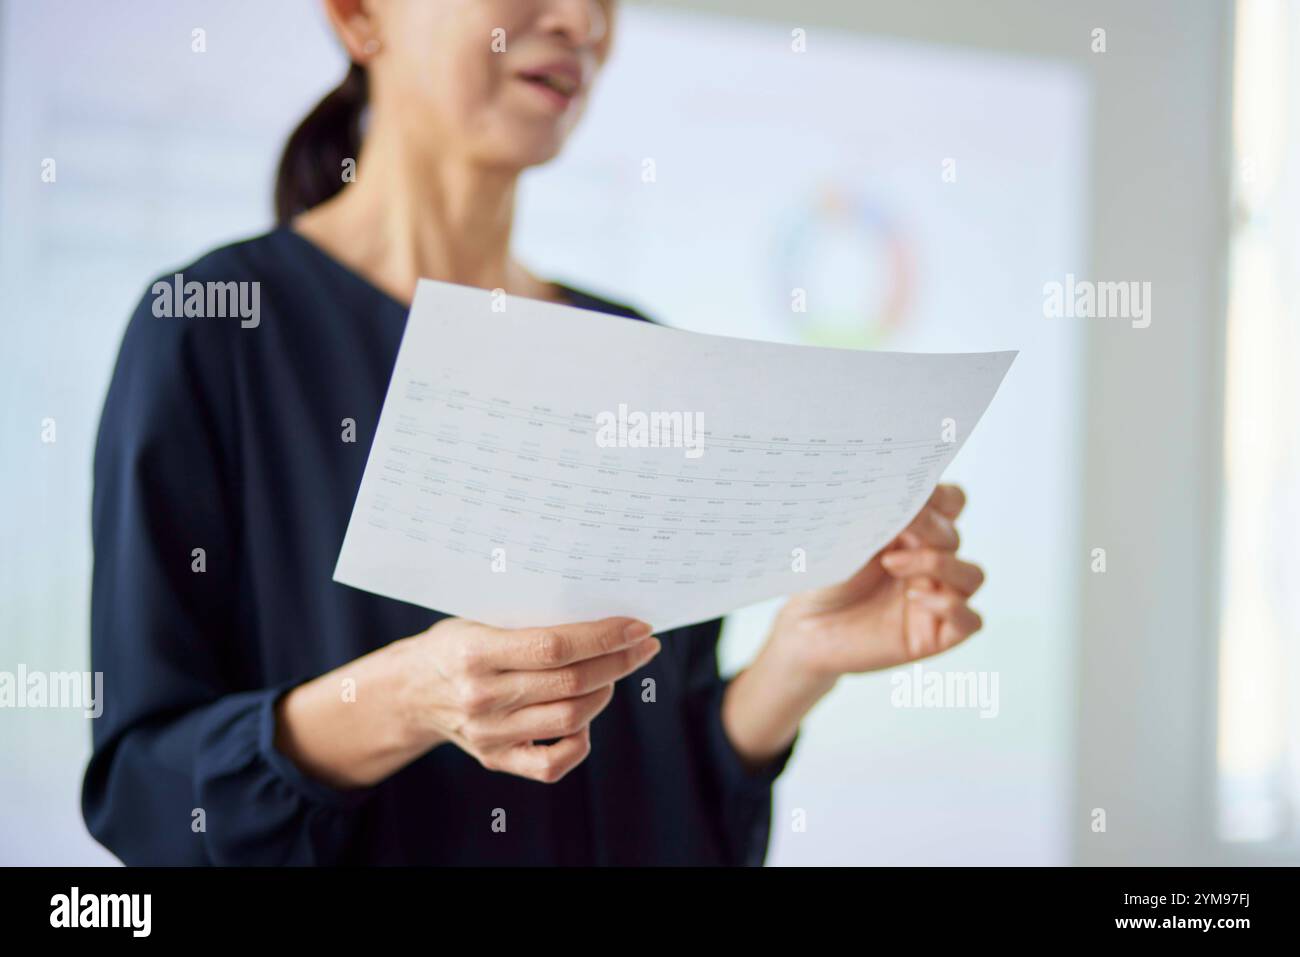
(911,600)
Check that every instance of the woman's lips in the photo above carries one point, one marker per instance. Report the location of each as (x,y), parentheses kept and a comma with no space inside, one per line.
(552,96)
(558,83)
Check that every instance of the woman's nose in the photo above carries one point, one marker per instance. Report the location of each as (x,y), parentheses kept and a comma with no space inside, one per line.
(582,22)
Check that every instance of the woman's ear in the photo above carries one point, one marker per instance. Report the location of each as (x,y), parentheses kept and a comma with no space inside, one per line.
(356,26)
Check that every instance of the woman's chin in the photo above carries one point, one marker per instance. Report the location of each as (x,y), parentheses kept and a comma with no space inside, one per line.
(523,151)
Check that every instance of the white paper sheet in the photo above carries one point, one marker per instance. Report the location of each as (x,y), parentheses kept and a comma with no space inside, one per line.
(501,488)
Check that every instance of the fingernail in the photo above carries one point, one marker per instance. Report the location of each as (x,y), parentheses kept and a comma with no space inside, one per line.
(636,631)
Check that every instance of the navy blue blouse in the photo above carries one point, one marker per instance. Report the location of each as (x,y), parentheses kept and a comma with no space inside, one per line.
(224,436)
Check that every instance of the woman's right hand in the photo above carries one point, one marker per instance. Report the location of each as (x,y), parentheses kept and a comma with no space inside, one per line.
(494,692)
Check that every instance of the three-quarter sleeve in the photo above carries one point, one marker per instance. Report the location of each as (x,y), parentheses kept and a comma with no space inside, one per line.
(739,797)
(183,767)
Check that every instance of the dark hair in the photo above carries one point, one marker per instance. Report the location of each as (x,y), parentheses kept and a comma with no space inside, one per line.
(311,167)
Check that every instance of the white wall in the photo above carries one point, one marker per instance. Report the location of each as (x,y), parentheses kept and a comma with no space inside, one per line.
(1145,710)
(1144,734)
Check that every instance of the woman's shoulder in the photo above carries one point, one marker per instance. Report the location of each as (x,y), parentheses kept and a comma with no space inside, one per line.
(193,315)
(255,258)
(222,292)
(172,380)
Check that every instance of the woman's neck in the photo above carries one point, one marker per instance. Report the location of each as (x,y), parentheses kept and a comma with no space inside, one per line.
(401,221)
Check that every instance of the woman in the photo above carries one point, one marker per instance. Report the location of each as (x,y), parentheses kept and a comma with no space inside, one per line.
(257,712)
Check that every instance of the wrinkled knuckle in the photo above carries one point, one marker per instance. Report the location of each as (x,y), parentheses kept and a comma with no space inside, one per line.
(473,697)
(568,719)
(568,682)
(465,656)
(461,691)
(610,639)
(474,733)
(944,605)
(552,769)
(551,646)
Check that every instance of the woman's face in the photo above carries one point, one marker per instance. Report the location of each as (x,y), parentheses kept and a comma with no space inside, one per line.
(497,83)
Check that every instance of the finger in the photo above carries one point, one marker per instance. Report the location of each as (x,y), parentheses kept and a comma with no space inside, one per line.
(546,762)
(950,634)
(531,687)
(949,500)
(939,566)
(539,722)
(931,527)
(544,648)
(922,631)
(958,619)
